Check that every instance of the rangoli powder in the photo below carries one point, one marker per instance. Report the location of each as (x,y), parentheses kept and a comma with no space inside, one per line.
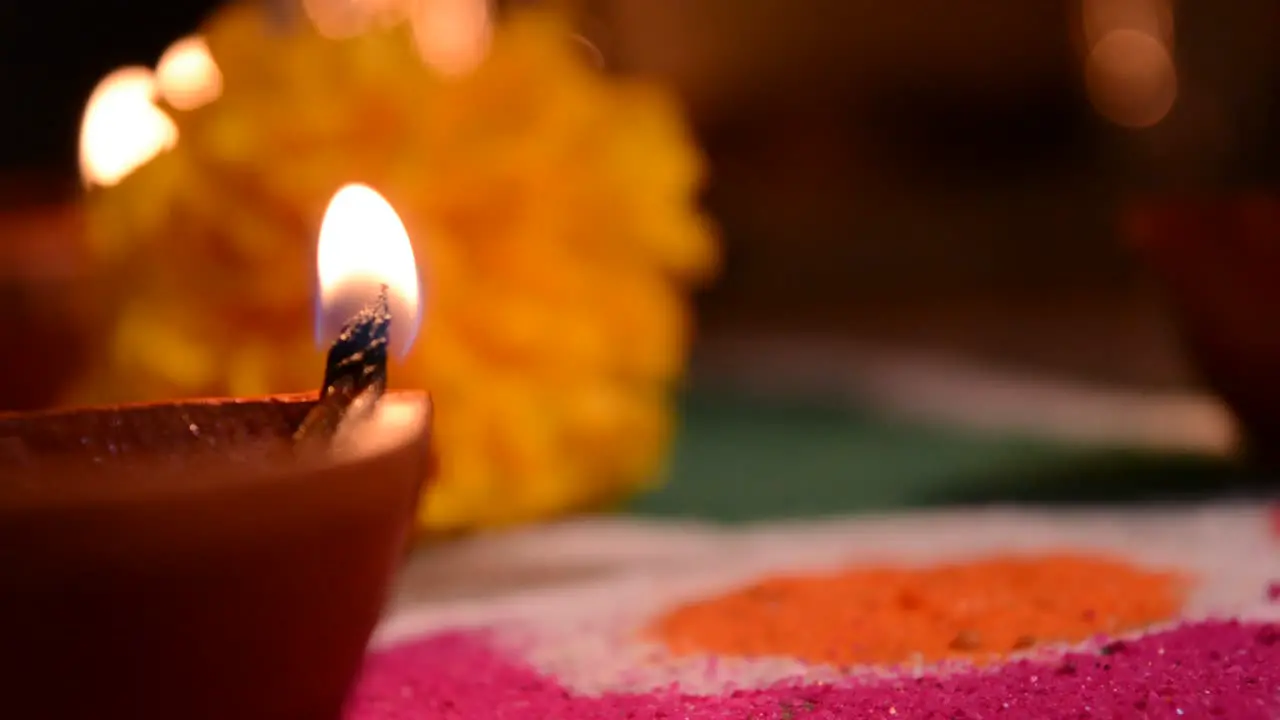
(1205,670)
(975,610)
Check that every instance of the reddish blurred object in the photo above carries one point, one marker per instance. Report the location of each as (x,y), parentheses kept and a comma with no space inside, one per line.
(1219,260)
(39,266)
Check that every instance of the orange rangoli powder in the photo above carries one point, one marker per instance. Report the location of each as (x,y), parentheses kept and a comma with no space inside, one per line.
(976,610)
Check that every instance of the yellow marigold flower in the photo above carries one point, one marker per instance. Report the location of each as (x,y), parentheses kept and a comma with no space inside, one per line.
(553,214)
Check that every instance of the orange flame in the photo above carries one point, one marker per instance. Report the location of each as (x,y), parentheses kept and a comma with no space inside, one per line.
(363,246)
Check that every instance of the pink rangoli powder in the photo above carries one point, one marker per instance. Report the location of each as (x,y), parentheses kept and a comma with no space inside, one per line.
(1226,669)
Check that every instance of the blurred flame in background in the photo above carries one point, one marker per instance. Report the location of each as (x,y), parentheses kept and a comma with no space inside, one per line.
(187,76)
(452,36)
(122,128)
(1130,73)
(340,19)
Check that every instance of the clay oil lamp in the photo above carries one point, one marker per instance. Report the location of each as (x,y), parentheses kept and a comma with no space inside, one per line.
(225,558)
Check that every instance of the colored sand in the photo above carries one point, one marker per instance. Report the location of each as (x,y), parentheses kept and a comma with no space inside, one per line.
(974,610)
(1206,670)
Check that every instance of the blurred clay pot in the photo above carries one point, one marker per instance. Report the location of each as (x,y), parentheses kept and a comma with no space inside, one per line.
(1219,261)
(181,560)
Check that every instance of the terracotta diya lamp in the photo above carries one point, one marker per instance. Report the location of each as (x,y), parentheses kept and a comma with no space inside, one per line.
(220,558)
(1218,259)
(180,561)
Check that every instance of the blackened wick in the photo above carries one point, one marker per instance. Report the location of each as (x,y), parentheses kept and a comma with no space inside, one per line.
(355,373)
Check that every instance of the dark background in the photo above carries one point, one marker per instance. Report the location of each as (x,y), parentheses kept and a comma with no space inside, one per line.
(53,55)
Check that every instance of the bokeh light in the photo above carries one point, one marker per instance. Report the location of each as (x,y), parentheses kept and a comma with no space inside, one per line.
(122,127)
(452,36)
(1130,73)
(187,76)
